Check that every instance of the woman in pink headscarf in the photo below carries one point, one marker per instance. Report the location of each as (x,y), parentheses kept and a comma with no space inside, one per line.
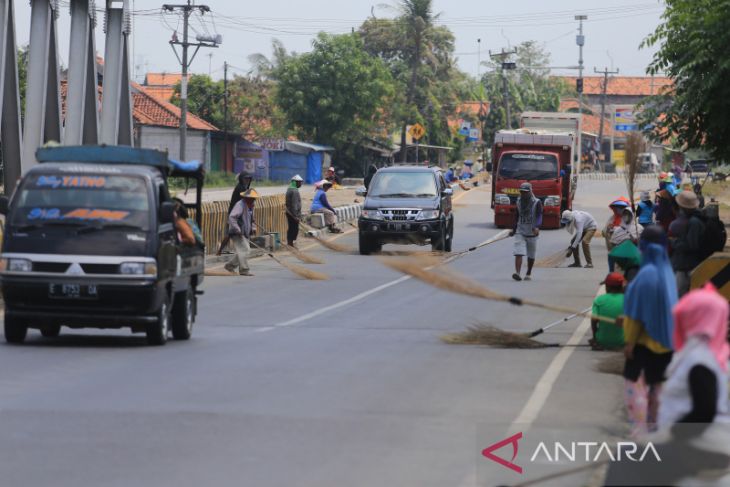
(696,390)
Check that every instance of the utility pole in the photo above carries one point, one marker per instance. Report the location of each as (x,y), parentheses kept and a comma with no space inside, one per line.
(225,112)
(604,90)
(506,66)
(580,40)
(203,41)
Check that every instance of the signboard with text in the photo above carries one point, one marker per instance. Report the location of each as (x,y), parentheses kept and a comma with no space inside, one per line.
(625,119)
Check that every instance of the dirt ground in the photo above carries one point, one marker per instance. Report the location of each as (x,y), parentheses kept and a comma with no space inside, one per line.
(336,197)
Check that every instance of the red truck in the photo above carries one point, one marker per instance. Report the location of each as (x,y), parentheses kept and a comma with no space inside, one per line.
(542,158)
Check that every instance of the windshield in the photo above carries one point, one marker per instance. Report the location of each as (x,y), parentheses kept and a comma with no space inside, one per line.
(82,200)
(406,184)
(528,166)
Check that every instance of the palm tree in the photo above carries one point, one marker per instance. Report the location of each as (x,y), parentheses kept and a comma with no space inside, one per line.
(418,20)
(264,67)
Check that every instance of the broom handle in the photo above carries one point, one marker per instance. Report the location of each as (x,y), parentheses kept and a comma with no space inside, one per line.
(567,318)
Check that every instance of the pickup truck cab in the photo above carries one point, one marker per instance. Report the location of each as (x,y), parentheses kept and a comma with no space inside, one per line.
(90,241)
(406,205)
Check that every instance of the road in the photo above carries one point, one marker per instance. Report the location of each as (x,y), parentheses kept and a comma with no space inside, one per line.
(299,383)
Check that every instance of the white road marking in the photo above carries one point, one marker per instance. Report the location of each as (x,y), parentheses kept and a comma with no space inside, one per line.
(365,294)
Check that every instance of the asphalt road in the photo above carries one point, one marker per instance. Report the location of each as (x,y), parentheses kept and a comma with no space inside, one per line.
(288,382)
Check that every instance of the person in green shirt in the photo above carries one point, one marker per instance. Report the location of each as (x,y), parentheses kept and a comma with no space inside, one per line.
(609,334)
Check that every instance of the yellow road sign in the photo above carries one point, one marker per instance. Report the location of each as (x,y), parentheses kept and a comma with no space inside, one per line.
(417,131)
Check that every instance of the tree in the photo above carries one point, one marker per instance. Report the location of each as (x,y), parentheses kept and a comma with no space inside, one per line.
(692,45)
(205,98)
(265,67)
(335,95)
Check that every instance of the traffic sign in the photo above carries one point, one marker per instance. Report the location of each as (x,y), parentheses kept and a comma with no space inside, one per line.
(417,131)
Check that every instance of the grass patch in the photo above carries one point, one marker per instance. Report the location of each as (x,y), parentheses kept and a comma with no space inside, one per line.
(219,179)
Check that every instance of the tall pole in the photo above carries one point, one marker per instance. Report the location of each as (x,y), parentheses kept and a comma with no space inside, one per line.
(580,40)
(506,66)
(185,61)
(225,112)
(184,84)
(604,90)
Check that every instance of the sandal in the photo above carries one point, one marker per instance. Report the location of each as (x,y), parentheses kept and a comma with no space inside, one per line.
(516,277)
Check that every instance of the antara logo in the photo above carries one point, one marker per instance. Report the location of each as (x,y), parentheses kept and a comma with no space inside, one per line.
(589,451)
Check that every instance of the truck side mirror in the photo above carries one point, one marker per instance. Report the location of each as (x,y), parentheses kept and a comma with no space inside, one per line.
(4,203)
(167,212)
(361,191)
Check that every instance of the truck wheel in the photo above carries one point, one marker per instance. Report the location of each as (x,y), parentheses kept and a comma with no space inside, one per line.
(51,331)
(365,245)
(157,331)
(15,330)
(183,315)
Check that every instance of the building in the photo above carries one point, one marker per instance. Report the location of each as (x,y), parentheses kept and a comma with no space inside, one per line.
(621,90)
(162,85)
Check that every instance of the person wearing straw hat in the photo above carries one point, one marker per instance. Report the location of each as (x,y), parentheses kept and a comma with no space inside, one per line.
(686,239)
(244,182)
(293,209)
(321,205)
(241,226)
(583,227)
(526,230)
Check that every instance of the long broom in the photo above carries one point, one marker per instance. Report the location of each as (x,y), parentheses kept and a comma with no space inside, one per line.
(307,259)
(299,270)
(459,284)
(553,260)
(325,243)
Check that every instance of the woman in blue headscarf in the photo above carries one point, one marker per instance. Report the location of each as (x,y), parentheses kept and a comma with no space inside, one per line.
(648,327)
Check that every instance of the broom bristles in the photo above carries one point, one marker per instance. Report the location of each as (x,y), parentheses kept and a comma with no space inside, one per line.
(303,272)
(302,256)
(493,337)
(553,260)
(334,246)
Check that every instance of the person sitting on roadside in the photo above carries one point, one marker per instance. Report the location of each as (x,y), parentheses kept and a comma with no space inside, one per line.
(645,210)
(583,227)
(628,229)
(608,335)
(466,172)
(648,326)
(450,175)
(685,237)
(331,176)
(696,391)
(321,205)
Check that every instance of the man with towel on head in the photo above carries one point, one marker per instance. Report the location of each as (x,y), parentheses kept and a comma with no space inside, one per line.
(526,230)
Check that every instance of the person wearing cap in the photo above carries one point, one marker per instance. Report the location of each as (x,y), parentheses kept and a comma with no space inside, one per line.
(241,226)
(321,205)
(293,209)
(526,230)
(331,176)
(685,236)
(645,209)
(583,227)
(608,334)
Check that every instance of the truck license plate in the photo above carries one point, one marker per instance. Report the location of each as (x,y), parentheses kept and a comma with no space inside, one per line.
(73,291)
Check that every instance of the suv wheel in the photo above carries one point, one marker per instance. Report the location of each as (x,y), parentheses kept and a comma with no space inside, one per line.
(15,330)
(183,314)
(366,245)
(157,331)
(438,244)
(449,237)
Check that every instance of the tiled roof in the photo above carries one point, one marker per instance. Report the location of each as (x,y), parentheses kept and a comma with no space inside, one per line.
(151,110)
(161,92)
(162,79)
(591,123)
(622,85)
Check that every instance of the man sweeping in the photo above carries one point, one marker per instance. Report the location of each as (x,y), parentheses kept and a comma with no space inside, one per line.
(241,226)
(526,230)
(293,209)
(583,227)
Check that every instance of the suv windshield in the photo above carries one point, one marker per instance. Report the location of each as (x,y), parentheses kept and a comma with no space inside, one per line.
(528,166)
(405,184)
(82,200)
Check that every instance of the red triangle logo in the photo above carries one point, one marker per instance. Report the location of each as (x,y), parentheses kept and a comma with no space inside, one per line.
(514,441)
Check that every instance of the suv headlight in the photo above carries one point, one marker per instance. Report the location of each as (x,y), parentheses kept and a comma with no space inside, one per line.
(427,215)
(552,200)
(138,268)
(372,214)
(16,265)
(501,199)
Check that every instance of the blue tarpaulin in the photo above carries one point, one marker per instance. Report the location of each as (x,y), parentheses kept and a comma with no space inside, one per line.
(314,167)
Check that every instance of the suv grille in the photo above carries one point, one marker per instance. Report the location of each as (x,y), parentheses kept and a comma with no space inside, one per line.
(399,215)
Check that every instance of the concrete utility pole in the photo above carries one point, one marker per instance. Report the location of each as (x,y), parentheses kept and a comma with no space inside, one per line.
(506,66)
(580,40)
(203,41)
(225,113)
(604,89)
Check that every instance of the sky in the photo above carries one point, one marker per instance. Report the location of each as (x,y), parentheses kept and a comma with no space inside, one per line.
(613,31)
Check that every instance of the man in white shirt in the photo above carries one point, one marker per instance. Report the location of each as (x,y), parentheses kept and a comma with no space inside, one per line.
(583,227)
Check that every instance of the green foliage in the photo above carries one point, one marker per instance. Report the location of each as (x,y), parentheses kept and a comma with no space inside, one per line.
(22,76)
(205,98)
(692,45)
(335,95)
